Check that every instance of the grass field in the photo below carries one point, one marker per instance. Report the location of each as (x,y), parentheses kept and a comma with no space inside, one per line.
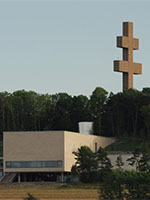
(45,191)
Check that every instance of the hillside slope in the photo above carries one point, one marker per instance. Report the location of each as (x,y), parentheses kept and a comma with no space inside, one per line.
(126,144)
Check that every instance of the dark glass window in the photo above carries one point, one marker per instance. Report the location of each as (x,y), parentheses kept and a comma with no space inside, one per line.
(59,163)
(8,164)
(95,146)
(1,163)
(34,164)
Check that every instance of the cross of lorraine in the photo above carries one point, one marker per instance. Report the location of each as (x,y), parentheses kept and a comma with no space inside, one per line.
(127,66)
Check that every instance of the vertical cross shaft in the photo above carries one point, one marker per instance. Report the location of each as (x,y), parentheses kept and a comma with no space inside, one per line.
(127,66)
(128,32)
(128,55)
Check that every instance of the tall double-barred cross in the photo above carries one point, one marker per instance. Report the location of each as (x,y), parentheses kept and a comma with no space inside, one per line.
(127,66)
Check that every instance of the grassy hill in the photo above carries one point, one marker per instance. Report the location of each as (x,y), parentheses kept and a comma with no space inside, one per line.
(126,144)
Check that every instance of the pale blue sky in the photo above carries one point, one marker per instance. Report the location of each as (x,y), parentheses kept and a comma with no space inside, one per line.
(69,46)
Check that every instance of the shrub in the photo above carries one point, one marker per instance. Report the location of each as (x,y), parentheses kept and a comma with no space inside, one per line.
(126,185)
(30,197)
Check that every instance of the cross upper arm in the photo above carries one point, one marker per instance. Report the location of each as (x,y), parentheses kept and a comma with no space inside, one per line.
(127,42)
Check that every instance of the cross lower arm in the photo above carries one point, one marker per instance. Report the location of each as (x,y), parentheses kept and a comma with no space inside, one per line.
(125,66)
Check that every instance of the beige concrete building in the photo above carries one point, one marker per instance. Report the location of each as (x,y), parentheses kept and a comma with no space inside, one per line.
(50,152)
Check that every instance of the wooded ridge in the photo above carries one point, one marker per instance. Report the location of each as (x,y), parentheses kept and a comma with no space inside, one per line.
(123,114)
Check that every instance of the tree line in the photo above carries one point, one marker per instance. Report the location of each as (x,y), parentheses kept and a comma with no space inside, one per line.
(96,167)
(93,166)
(123,114)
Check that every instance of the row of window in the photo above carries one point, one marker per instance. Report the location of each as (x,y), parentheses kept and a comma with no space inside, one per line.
(34,164)
(1,163)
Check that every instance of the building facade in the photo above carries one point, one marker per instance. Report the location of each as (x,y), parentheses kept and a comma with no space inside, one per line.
(32,154)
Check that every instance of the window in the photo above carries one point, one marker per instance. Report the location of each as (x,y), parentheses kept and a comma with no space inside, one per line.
(95,146)
(59,163)
(34,164)
(1,163)
(8,164)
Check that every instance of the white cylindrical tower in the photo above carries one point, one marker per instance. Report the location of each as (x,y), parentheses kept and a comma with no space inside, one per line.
(86,127)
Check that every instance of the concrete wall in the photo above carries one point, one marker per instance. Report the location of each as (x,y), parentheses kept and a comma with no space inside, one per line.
(33,146)
(125,155)
(75,140)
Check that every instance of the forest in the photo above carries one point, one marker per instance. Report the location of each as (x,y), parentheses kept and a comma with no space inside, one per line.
(123,114)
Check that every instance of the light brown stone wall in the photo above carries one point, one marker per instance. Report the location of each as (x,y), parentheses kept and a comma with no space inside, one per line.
(47,146)
(75,140)
(33,146)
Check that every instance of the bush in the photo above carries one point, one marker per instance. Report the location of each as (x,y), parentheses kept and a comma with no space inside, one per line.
(126,185)
(112,187)
(30,197)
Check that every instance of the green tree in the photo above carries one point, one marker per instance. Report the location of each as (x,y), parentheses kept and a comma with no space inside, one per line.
(86,162)
(45,112)
(146,91)
(104,163)
(112,187)
(122,115)
(96,104)
(24,105)
(136,185)
(145,111)
(62,103)
(141,158)
(74,170)
(144,162)
(134,160)
(79,111)
(126,185)
(6,112)
(119,162)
